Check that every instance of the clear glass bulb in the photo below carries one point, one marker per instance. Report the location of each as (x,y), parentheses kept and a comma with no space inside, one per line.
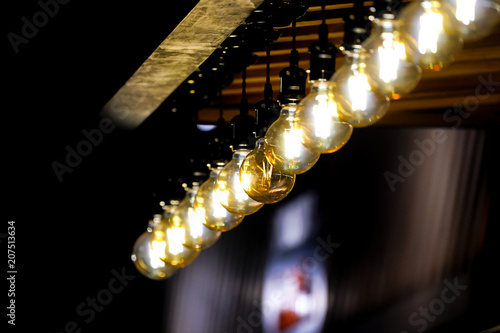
(322,129)
(229,189)
(169,239)
(197,236)
(260,180)
(432,34)
(207,204)
(357,103)
(389,71)
(284,147)
(476,18)
(147,257)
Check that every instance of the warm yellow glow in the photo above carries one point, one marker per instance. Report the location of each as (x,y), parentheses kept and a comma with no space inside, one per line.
(196,224)
(466,11)
(176,237)
(293,142)
(208,206)
(222,192)
(245,179)
(390,54)
(358,90)
(259,178)
(431,25)
(230,190)
(157,253)
(323,112)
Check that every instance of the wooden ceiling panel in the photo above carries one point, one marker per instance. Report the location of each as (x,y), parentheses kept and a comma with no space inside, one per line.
(436,93)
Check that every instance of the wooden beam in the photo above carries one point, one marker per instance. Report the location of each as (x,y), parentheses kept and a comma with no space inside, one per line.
(188,46)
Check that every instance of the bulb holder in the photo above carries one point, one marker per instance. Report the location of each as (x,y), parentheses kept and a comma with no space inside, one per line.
(322,56)
(267,111)
(282,13)
(293,82)
(387,9)
(357,28)
(244,127)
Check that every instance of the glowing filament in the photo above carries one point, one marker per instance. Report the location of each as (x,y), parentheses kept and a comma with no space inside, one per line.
(293,143)
(195,224)
(156,253)
(466,11)
(358,91)
(431,25)
(323,111)
(389,55)
(176,238)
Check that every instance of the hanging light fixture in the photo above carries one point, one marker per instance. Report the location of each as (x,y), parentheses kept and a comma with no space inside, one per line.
(208,205)
(322,129)
(206,201)
(389,70)
(358,104)
(148,254)
(432,32)
(476,18)
(196,235)
(228,187)
(258,177)
(284,147)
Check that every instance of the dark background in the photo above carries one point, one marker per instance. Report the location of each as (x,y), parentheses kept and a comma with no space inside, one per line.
(71,235)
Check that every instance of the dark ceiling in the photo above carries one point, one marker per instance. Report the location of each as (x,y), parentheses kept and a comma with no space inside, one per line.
(75,224)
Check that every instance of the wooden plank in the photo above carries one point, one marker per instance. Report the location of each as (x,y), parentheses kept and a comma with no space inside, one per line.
(179,55)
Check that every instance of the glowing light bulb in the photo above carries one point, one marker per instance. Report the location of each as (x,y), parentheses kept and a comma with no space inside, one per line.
(431,33)
(476,18)
(196,236)
(148,254)
(260,180)
(230,190)
(207,204)
(322,129)
(167,241)
(389,71)
(147,258)
(284,147)
(357,103)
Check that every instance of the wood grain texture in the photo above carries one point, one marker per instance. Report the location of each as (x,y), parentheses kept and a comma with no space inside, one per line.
(179,55)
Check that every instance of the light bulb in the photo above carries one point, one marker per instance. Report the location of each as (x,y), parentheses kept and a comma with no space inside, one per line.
(476,18)
(147,258)
(148,254)
(389,71)
(432,34)
(197,236)
(229,189)
(207,204)
(168,239)
(322,129)
(260,180)
(358,104)
(284,147)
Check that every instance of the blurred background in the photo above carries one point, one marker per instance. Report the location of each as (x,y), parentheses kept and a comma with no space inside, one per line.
(367,241)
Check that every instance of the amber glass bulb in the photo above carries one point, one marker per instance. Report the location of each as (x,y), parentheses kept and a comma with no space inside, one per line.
(260,180)
(432,33)
(476,18)
(389,70)
(230,191)
(197,235)
(358,104)
(170,238)
(207,204)
(322,129)
(148,255)
(284,147)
